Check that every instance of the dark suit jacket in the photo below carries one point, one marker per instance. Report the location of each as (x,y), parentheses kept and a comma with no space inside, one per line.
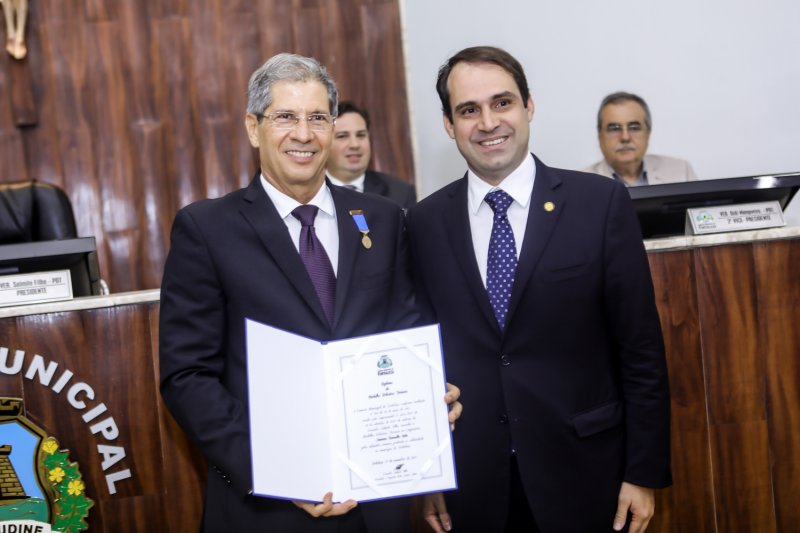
(232,258)
(577,384)
(393,188)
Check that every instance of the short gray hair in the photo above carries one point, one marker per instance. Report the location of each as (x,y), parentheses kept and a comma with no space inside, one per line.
(287,67)
(621,96)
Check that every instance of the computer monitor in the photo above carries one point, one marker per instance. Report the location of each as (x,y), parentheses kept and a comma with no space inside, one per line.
(79,256)
(662,208)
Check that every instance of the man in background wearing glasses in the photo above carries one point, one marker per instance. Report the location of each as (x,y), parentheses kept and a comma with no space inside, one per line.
(285,251)
(623,130)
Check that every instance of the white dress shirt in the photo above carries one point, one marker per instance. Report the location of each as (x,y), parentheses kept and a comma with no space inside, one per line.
(518,185)
(358,183)
(324,224)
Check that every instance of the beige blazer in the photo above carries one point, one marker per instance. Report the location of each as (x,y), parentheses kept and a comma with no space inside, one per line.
(660,169)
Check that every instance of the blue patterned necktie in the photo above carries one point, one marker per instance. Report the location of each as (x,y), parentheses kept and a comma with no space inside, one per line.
(502,262)
(316,259)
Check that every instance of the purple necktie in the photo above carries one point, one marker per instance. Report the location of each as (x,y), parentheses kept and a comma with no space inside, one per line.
(316,259)
(502,264)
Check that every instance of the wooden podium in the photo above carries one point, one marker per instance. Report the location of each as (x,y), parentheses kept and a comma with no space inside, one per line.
(729,307)
(110,345)
(730,311)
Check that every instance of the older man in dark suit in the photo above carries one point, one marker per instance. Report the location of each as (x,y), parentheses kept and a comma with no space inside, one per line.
(284,251)
(541,284)
(350,154)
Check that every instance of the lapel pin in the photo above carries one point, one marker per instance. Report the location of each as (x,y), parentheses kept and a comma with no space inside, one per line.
(361,224)
(549,206)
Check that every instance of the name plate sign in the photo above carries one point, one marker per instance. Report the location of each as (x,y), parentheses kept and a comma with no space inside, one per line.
(35,287)
(738,217)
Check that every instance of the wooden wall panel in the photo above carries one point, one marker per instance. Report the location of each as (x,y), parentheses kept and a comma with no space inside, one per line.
(778,287)
(11,384)
(111,143)
(279,15)
(11,147)
(385,83)
(100,10)
(44,50)
(689,504)
(240,28)
(735,388)
(139,106)
(167,8)
(184,485)
(730,321)
(728,310)
(176,97)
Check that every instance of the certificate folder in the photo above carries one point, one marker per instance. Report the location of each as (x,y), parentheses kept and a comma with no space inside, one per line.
(362,417)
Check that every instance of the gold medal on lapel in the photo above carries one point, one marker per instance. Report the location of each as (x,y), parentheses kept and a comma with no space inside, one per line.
(361,223)
(549,206)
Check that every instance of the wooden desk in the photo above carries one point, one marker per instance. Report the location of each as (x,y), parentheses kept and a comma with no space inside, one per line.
(110,344)
(730,310)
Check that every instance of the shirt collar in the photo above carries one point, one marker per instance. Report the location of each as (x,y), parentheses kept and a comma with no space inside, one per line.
(518,185)
(286,204)
(640,180)
(358,183)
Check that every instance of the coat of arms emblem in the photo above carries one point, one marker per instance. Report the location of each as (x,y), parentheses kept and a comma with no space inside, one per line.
(38,483)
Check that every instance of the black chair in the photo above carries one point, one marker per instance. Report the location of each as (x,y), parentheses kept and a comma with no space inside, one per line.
(33,211)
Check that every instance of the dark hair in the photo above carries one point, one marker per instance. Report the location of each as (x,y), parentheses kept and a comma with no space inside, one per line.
(621,96)
(348,106)
(480,54)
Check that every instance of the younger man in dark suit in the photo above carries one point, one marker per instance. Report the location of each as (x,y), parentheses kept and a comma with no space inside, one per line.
(541,284)
(350,155)
(283,251)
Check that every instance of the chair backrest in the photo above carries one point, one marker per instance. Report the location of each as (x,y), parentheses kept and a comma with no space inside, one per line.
(34,211)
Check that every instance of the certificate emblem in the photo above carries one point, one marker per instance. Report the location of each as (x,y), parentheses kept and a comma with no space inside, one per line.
(385,365)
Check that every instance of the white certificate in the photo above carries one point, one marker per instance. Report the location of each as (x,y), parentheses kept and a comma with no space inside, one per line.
(362,417)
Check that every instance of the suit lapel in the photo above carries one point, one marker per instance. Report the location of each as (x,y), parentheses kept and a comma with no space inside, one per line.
(267,223)
(374,185)
(349,242)
(456,222)
(540,225)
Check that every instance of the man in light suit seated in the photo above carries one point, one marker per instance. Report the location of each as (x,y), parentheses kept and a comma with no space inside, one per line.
(350,154)
(623,130)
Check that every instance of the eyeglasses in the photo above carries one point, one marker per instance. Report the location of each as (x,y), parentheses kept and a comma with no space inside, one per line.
(283,120)
(633,129)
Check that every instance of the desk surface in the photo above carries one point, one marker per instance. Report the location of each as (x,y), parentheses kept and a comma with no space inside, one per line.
(718,239)
(88,302)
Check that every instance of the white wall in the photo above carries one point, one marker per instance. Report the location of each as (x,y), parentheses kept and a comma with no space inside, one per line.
(722,77)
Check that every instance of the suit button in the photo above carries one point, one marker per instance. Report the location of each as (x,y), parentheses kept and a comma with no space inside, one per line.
(505,360)
(503,419)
